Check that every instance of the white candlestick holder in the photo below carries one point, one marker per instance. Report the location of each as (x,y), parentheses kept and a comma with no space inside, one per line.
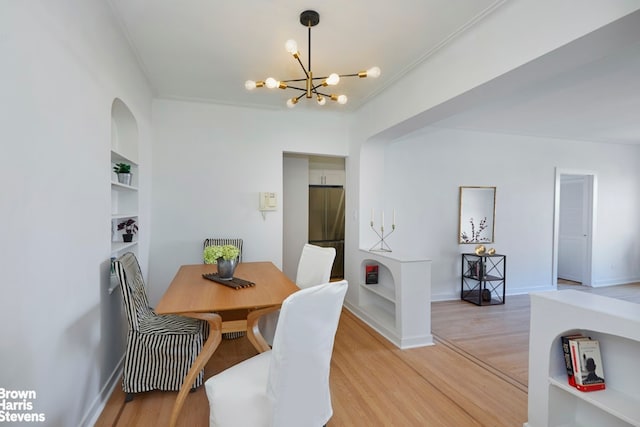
(381,245)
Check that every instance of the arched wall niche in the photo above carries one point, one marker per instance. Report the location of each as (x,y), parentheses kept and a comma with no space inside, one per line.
(124,130)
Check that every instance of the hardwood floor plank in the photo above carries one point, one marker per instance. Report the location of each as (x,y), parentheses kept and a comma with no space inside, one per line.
(390,390)
(496,335)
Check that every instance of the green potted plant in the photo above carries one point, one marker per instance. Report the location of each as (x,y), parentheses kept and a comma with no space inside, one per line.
(130,228)
(226,258)
(124,173)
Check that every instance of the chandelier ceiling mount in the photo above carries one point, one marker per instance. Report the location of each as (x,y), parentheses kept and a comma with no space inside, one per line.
(313,85)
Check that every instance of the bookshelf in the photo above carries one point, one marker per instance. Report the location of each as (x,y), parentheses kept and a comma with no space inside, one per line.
(125,199)
(483,280)
(616,324)
(399,305)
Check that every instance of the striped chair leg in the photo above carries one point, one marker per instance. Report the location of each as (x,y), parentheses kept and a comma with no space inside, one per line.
(233,335)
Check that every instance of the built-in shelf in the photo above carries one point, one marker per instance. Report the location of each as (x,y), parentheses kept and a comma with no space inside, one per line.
(383,291)
(121,246)
(619,404)
(124,197)
(399,305)
(122,187)
(385,317)
(124,204)
(616,325)
(124,215)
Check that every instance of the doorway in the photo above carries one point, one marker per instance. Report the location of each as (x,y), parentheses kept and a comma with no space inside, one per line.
(303,176)
(573,226)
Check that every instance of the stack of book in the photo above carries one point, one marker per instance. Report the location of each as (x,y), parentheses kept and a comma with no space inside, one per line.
(583,362)
(371,275)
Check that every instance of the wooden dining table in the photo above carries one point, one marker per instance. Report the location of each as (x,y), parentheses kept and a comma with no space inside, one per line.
(225,308)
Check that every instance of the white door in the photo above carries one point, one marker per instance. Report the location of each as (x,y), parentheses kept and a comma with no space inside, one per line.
(573,227)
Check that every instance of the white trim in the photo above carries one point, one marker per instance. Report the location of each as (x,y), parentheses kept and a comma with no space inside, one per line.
(95,410)
(388,333)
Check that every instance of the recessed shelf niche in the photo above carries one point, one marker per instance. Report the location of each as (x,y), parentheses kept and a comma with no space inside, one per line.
(399,306)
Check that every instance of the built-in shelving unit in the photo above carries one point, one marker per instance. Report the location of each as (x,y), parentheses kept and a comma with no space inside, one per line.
(124,197)
(399,305)
(616,324)
(124,202)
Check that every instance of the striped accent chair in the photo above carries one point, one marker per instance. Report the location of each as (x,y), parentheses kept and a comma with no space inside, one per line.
(160,348)
(213,241)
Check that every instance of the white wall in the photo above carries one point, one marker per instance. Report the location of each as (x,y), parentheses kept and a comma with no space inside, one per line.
(63,65)
(499,55)
(511,36)
(210,163)
(295,211)
(424,172)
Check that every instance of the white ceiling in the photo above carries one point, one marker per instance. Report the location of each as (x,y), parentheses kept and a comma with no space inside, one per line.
(204,50)
(590,90)
(207,49)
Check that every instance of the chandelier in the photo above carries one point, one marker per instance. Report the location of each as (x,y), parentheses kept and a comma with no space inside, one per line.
(313,86)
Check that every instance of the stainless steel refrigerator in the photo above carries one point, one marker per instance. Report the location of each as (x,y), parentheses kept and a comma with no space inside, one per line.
(326,222)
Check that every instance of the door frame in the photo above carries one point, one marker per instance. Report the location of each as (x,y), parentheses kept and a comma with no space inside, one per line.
(591,183)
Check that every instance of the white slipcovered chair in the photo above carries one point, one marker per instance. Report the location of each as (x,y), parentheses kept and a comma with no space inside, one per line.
(314,268)
(287,386)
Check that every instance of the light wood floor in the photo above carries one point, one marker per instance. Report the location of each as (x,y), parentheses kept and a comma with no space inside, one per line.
(476,374)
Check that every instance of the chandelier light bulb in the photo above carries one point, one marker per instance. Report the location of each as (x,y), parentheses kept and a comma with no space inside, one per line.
(321,100)
(271,83)
(292,102)
(342,99)
(291,46)
(333,79)
(373,72)
(250,85)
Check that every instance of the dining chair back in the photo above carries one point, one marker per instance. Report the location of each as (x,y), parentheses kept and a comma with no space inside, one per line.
(160,349)
(287,386)
(215,241)
(314,268)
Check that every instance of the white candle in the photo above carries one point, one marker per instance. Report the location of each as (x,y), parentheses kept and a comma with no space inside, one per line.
(382,225)
(371,216)
(393,223)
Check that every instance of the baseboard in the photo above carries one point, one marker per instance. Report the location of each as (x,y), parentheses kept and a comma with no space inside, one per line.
(96,408)
(389,334)
(610,282)
(453,296)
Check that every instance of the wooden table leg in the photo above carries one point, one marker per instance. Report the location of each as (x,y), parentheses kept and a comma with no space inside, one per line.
(210,345)
(253,331)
